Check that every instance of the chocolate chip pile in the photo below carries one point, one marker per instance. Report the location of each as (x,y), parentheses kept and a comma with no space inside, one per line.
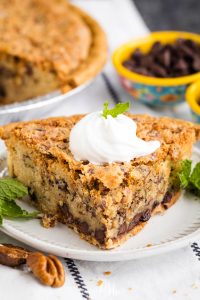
(170,60)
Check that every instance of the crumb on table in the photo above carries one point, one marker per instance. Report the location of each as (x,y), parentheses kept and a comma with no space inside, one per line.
(149,245)
(99,283)
(107,273)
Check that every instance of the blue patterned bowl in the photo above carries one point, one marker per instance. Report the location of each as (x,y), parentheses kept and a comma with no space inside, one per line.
(151,90)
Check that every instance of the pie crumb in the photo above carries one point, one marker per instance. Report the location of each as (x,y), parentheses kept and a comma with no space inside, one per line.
(130,289)
(174,292)
(149,245)
(107,273)
(99,283)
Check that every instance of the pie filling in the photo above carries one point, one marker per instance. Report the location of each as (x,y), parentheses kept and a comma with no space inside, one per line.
(100,233)
(21,79)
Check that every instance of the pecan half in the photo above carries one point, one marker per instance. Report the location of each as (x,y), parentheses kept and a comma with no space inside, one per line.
(60,277)
(48,269)
(12,256)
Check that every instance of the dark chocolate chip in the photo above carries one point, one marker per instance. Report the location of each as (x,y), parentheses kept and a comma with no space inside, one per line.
(137,54)
(100,235)
(96,184)
(165,57)
(196,63)
(50,155)
(155,205)
(29,69)
(32,194)
(146,216)
(181,65)
(83,227)
(6,73)
(130,65)
(62,185)
(2,92)
(40,129)
(168,196)
(142,71)
(65,140)
(77,174)
(16,59)
(67,215)
(134,222)
(122,228)
(105,191)
(159,71)
(156,48)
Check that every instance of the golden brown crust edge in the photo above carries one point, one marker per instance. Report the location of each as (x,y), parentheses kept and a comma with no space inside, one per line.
(97,57)
(6,129)
(164,119)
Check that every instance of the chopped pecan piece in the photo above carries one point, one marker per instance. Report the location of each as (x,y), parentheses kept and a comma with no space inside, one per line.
(48,269)
(12,256)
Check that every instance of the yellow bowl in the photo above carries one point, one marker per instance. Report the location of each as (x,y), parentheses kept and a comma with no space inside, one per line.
(193,99)
(152,90)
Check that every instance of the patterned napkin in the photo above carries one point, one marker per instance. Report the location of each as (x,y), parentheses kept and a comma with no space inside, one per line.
(175,275)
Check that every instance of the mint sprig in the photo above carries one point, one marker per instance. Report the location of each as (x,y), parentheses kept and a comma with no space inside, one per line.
(195,176)
(10,190)
(190,179)
(185,171)
(120,108)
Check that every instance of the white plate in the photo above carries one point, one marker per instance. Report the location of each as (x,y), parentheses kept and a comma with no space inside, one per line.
(179,226)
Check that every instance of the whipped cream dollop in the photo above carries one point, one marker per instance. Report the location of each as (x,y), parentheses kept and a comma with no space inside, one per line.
(106,140)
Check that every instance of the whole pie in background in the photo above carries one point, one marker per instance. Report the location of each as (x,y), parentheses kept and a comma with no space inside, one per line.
(46,45)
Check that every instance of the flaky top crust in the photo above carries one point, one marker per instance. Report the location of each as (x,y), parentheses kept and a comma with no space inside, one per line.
(50,138)
(54,35)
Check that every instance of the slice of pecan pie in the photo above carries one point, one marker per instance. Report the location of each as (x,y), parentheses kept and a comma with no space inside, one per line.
(105,204)
(46,45)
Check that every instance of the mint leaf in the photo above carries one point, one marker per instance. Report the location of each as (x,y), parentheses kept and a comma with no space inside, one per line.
(11,189)
(120,108)
(190,179)
(13,210)
(195,176)
(10,209)
(184,173)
